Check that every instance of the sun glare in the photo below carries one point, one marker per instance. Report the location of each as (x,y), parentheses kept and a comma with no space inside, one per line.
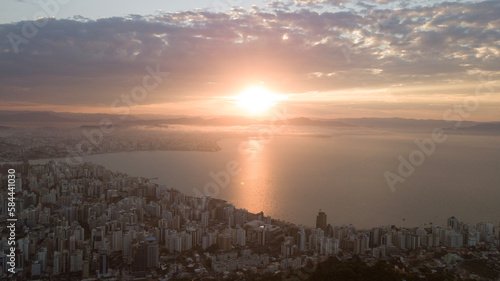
(257,99)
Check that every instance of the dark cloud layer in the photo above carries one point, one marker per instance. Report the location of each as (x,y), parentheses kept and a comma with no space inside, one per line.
(91,62)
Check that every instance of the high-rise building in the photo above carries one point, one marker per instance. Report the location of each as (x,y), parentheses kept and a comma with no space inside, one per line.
(287,247)
(103,262)
(241,237)
(321,220)
(36,268)
(57,263)
(386,239)
(374,237)
(205,242)
(85,269)
(204,218)
(224,242)
(452,239)
(140,259)
(76,261)
(152,252)
(146,255)
(42,258)
(301,239)
(117,240)
(453,223)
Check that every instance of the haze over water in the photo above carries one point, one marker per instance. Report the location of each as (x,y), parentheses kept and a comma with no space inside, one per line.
(292,177)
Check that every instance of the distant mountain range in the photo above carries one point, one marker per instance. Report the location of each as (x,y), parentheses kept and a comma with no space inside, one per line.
(482,127)
(53,117)
(94,119)
(86,120)
(396,122)
(48,117)
(239,121)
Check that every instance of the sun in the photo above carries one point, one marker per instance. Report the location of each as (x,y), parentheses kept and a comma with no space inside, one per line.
(257,99)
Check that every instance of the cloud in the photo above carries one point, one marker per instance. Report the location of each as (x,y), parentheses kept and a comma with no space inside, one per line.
(92,62)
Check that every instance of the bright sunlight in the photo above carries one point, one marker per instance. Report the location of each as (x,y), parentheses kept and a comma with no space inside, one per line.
(257,99)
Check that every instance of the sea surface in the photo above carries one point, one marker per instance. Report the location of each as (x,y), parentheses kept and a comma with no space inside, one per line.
(293,177)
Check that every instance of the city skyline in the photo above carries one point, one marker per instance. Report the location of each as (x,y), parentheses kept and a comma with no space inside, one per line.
(130,227)
(272,140)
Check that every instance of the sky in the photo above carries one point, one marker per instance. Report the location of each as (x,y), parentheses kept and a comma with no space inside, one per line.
(328,58)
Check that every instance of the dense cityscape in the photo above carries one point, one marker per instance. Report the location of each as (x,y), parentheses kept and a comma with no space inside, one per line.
(268,140)
(73,143)
(83,222)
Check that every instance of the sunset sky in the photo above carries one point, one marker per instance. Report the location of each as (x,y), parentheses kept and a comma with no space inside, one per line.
(320,58)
